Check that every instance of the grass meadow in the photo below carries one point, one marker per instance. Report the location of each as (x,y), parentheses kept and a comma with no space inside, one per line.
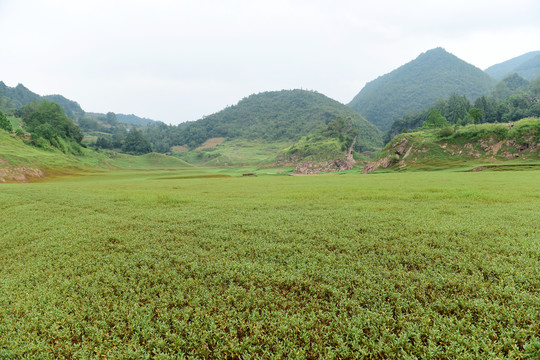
(194,264)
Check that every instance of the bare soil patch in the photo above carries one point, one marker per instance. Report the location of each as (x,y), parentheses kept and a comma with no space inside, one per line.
(210,143)
(19,174)
(179,149)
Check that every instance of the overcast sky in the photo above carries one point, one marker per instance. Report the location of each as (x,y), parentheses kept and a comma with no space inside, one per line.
(176,61)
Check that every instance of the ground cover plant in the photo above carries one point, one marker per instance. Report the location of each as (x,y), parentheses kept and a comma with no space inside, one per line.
(194,264)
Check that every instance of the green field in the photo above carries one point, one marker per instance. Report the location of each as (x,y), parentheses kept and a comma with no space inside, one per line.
(194,264)
(236,152)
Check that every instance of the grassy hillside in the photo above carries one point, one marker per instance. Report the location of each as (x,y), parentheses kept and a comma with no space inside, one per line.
(236,152)
(418,84)
(21,163)
(467,147)
(526,65)
(165,266)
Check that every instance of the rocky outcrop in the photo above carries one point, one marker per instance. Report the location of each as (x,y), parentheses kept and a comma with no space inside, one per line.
(311,167)
(19,174)
(409,149)
(340,164)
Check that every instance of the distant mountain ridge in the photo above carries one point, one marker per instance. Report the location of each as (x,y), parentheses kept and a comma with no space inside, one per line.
(433,75)
(526,66)
(130,119)
(12,98)
(19,96)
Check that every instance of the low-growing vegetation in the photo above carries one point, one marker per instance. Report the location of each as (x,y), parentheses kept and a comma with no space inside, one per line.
(463,147)
(191,264)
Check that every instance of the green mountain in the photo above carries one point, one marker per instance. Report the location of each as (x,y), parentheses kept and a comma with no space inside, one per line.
(275,116)
(13,98)
(512,99)
(526,65)
(134,119)
(127,119)
(433,75)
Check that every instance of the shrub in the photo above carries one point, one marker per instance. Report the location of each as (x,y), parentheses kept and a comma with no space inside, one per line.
(446,131)
(5,123)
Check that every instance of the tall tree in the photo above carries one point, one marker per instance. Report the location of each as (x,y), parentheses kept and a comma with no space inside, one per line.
(111,119)
(5,123)
(48,119)
(136,143)
(435,120)
(476,114)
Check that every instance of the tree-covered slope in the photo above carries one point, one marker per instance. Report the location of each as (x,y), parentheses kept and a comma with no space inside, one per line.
(12,98)
(434,75)
(512,99)
(275,116)
(530,69)
(526,65)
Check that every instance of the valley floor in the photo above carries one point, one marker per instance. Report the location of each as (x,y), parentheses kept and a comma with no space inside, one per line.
(196,264)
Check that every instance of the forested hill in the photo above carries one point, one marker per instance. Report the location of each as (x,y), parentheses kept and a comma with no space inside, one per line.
(526,66)
(12,98)
(434,75)
(129,119)
(285,115)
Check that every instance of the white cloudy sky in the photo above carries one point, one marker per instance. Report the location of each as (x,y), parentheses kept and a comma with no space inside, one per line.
(176,61)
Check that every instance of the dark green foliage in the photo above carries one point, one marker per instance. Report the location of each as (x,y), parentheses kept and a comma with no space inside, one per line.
(515,105)
(514,82)
(508,86)
(455,109)
(530,69)
(47,121)
(111,118)
(133,119)
(434,75)
(435,120)
(285,115)
(104,143)
(526,65)
(5,124)
(477,115)
(489,109)
(327,143)
(446,131)
(88,124)
(118,137)
(136,143)
(18,96)
(161,136)
(12,99)
(71,108)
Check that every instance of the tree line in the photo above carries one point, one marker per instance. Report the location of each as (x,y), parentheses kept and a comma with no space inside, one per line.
(513,99)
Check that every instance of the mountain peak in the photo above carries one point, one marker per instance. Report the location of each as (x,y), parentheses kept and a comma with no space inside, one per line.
(433,75)
(277,116)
